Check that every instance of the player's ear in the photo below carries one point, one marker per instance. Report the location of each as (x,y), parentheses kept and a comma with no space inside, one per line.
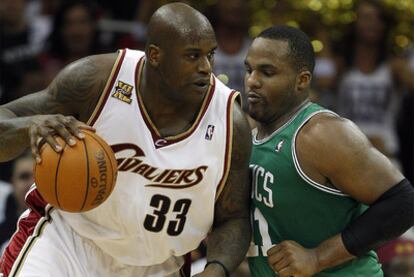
(154,55)
(303,80)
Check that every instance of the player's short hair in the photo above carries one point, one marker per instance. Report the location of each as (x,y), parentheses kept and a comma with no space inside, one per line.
(301,50)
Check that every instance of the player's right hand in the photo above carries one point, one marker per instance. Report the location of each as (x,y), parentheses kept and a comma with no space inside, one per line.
(289,258)
(43,128)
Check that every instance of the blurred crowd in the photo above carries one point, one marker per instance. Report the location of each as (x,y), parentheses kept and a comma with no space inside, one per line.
(358,77)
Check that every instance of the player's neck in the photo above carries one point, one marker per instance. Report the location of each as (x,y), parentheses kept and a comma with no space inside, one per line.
(157,99)
(265,129)
(171,117)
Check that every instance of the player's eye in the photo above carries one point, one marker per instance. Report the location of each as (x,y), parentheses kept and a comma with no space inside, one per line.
(210,55)
(193,56)
(268,73)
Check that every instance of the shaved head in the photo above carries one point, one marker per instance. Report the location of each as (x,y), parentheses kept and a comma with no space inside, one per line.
(179,53)
(177,22)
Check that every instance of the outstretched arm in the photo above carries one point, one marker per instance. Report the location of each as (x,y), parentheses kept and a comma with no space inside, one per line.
(230,237)
(58,109)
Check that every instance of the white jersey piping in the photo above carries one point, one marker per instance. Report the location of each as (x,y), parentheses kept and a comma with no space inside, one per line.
(301,173)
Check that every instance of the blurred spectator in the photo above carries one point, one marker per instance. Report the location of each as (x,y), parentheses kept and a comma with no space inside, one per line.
(21,180)
(20,42)
(128,26)
(42,9)
(366,91)
(40,13)
(397,258)
(5,190)
(74,35)
(325,74)
(122,9)
(284,13)
(230,19)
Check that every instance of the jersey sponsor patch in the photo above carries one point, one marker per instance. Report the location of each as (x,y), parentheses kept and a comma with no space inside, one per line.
(123,92)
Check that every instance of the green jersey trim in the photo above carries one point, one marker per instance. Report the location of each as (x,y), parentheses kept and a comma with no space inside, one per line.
(278,130)
(301,173)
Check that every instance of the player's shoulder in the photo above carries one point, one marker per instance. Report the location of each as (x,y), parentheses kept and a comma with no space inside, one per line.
(329,130)
(241,128)
(94,64)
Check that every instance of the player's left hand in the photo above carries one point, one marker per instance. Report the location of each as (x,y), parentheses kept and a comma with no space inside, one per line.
(291,259)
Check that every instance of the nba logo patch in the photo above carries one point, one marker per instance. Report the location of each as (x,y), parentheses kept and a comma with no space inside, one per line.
(279,146)
(209,132)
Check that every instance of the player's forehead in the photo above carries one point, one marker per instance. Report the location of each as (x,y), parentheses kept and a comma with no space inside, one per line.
(195,34)
(197,39)
(267,51)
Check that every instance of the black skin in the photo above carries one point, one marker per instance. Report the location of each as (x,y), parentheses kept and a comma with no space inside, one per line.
(345,158)
(172,89)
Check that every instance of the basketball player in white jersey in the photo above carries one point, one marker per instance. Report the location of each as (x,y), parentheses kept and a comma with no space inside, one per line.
(182,146)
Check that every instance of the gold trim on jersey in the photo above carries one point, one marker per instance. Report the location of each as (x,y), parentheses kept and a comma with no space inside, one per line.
(30,241)
(229,142)
(108,87)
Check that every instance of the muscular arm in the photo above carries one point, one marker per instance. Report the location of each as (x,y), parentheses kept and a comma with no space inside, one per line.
(75,92)
(229,240)
(347,160)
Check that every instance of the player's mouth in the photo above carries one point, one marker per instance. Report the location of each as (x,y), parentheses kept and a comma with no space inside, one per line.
(201,84)
(253,97)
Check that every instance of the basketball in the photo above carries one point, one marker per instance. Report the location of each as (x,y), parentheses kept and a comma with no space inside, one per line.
(80,177)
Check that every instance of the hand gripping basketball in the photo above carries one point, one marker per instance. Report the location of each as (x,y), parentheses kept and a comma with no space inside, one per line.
(78,178)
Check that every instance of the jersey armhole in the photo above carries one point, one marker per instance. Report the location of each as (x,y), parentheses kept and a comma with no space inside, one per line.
(299,169)
(234,95)
(108,87)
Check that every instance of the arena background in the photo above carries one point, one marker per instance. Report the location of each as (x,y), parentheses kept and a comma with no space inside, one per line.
(39,37)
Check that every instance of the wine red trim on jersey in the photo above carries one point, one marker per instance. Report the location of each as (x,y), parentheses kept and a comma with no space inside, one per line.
(108,88)
(160,141)
(229,142)
(29,228)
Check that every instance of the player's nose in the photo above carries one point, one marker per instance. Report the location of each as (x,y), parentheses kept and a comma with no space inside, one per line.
(252,81)
(205,66)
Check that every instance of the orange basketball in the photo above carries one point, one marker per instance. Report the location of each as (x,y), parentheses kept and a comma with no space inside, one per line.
(79,178)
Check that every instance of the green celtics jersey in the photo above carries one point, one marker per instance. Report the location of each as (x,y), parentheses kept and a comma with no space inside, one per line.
(288,205)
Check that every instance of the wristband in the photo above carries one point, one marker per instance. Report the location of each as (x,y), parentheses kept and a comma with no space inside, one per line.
(226,272)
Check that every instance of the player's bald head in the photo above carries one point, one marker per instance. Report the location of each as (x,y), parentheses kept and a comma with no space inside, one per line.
(177,22)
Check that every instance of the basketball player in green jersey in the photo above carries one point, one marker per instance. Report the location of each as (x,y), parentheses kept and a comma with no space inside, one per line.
(323,197)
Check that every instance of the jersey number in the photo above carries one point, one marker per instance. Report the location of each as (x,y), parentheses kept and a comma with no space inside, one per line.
(263,231)
(155,222)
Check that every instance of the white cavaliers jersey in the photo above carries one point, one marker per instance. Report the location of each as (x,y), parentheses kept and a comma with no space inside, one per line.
(163,201)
